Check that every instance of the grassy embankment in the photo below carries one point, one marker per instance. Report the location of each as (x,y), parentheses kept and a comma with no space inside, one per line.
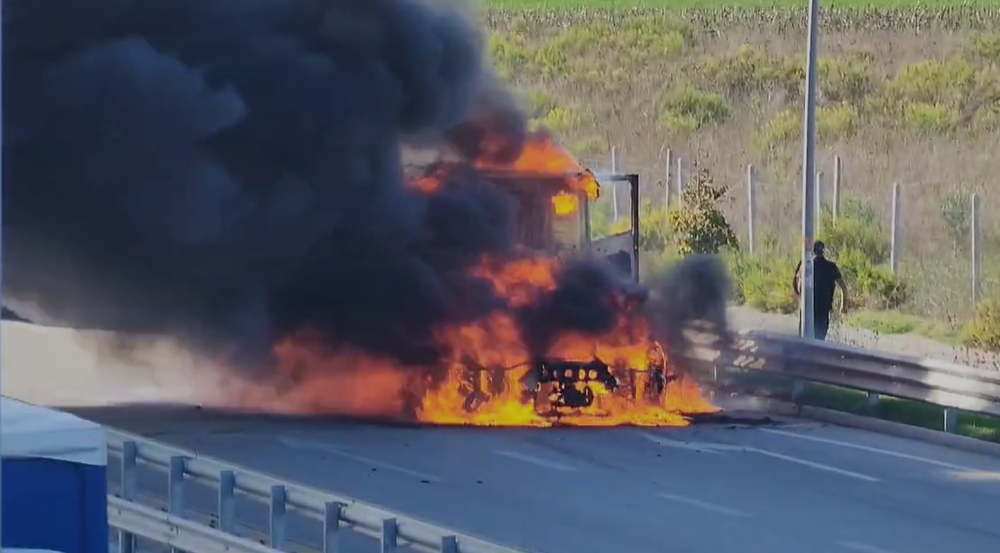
(908,95)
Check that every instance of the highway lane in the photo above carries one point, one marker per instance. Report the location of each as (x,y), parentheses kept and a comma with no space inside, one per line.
(781,489)
(701,490)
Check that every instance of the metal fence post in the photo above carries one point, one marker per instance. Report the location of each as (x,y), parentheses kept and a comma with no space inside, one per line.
(894,230)
(751,208)
(679,179)
(974,231)
(666,179)
(837,176)
(614,184)
(819,202)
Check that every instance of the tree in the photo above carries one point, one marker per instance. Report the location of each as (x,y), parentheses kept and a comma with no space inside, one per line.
(698,226)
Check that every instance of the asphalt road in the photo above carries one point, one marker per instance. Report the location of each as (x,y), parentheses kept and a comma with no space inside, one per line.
(778,489)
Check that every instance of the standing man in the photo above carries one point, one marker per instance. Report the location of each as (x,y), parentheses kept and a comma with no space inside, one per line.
(826,278)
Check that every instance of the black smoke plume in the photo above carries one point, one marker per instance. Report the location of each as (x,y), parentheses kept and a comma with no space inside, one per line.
(227,173)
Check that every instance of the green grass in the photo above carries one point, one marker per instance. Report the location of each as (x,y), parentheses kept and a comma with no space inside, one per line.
(900,410)
(716,4)
(895,322)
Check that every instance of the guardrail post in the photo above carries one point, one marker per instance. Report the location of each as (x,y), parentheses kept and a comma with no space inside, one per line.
(449,544)
(175,489)
(872,402)
(950,420)
(331,527)
(798,388)
(175,486)
(277,517)
(390,531)
(129,481)
(227,501)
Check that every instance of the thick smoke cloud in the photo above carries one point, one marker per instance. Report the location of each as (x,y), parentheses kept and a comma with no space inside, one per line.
(227,172)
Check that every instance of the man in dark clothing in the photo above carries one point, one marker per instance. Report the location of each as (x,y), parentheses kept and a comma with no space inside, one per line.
(826,278)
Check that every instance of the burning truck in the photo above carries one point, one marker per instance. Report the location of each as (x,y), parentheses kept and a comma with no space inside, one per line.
(623,376)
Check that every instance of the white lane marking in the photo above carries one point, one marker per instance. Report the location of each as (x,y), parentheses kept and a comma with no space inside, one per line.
(816,465)
(869,449)
(534,460)
(718,448)
(977,476)
(298,443)
(704,505)
(693,446)
(862,547)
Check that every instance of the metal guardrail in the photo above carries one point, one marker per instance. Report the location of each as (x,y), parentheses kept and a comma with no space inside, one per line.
(133,520)
(335,513)
(948,385)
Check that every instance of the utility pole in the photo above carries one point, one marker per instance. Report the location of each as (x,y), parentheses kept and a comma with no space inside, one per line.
(806,299)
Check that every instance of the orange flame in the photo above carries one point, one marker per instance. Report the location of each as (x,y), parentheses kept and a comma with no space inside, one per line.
(497,343)
(544,156)
(565,203)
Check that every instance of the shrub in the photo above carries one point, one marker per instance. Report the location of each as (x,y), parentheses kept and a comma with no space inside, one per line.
(749,72)
(983,48)
(689,109)
(764,283)
(654,227)
(856,231)
(509,54)
(568,120)
(847,80)
(955,211)
(833,123)
(857,243)
(983,331)
(785,127)
(698,225)
(938,96)
(870,286)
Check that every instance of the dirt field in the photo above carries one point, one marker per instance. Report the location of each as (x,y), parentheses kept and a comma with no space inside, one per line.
(906,97)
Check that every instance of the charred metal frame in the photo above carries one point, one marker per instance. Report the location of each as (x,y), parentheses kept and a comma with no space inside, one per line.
(569,382)
(633,181)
